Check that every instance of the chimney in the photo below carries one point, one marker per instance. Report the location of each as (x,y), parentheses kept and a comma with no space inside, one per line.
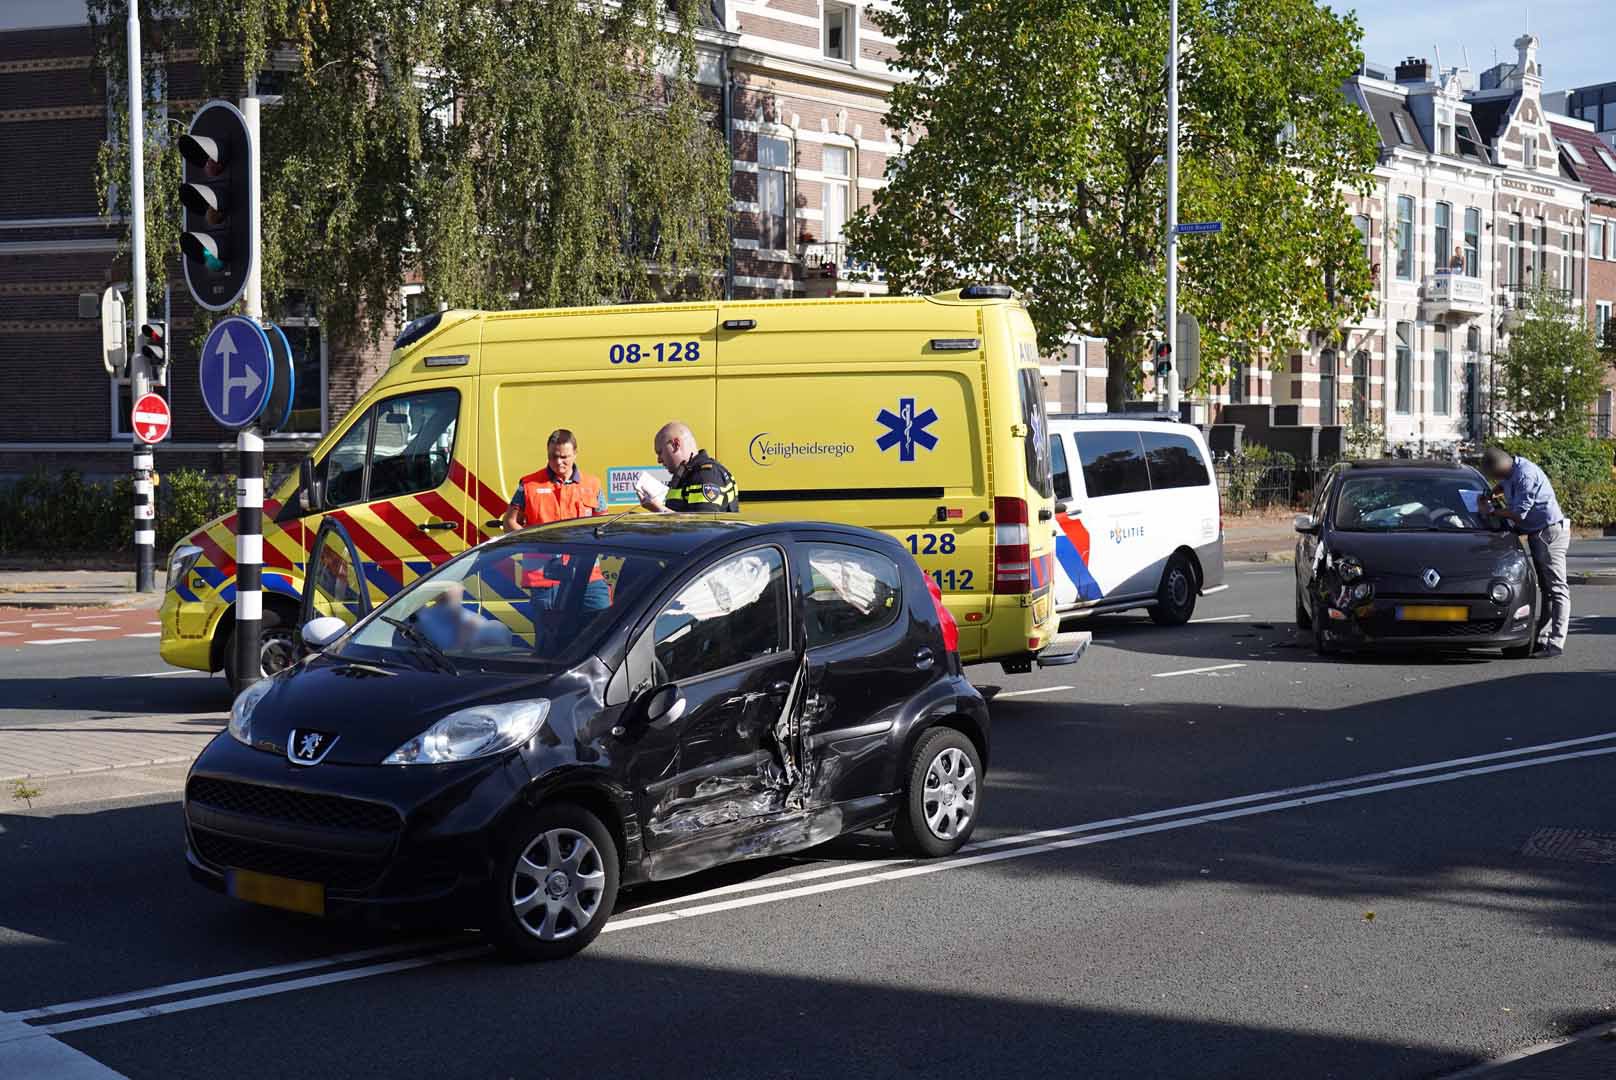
(1526,56)
(1412,70)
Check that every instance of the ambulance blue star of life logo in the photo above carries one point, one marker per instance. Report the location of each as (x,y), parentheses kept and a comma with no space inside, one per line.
(906,430)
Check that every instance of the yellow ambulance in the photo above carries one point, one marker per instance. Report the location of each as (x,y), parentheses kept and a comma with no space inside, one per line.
(921,416)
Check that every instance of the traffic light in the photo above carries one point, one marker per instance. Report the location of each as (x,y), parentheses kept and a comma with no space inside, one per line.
(1163,357)
(154,350)
(219,241)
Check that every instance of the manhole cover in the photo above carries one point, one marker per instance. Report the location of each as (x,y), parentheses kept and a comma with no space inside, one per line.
(1577,845)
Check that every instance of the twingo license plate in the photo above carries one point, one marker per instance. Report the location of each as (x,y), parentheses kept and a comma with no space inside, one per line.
(1433,613)
(307,897)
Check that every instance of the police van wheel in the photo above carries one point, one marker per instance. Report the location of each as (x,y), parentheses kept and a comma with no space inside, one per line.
(1175,599)
(277,649)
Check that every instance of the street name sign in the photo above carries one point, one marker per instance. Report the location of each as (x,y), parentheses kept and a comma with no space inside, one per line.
(1199,227)
(150,419)
(237,372)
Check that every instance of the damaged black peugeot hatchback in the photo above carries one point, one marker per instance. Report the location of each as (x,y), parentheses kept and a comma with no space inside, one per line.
(588,705)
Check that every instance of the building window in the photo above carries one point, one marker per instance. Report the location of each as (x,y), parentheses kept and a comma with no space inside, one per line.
(1360,386)
(1441,374)
(1405,238)
(1402,129)
(835,191)
(1602,418)
(1472,242)
(1237,384)
(1405,368)
(1327,410)
(1444,235)
(300,321)
(1540,255)
(1596,239)
(1567,281)
(838,41)
(774,170)
(1512,266)
(1529,147)
(1604,331)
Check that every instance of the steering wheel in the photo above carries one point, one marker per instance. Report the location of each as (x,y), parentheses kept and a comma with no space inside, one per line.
(1441,515)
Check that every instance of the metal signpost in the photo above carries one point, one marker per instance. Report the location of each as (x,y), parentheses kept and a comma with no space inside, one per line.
(139,377)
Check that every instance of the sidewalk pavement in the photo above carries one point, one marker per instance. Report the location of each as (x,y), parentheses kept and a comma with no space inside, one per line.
(76,589)
(54,750)
(1259,538)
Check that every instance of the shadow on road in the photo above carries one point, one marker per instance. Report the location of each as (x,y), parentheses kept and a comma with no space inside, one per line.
(113,695)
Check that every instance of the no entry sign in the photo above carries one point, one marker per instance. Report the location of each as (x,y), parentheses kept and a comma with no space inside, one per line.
(150,419)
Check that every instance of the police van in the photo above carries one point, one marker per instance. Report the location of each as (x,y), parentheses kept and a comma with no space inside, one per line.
(1138,520)
(923,417)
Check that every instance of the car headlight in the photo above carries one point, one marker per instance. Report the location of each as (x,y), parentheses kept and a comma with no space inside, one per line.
(1363,591)
(473,733)
(1499,592)
(1349,568)
(241,711)
(180,562)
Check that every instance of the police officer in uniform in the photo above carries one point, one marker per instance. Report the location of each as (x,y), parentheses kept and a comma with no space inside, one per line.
(700,484)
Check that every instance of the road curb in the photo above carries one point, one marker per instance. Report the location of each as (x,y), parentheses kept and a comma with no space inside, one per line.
(1506,1066)
(1591,579)
(88,770)
(1286,555)
(14,603)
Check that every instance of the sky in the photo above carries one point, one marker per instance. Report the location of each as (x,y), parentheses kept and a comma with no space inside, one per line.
(1578,41)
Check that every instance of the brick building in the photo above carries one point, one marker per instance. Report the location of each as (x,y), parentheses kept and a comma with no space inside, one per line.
(1473,204)
(1591,160)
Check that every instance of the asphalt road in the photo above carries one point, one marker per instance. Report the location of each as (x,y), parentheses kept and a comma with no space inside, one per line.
(1148,895)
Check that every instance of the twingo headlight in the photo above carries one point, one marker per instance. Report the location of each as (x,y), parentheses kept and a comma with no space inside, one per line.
(241,712)
(180,562)
(473,733)
(1349,568)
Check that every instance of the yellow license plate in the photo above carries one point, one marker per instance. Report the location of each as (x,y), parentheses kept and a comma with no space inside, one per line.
(1040,610)
(1433,613)
(307,897)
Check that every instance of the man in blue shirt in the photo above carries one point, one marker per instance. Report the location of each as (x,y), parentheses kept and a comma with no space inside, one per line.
(1531,509)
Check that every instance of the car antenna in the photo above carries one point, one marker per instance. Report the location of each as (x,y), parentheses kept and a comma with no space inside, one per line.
(611,519)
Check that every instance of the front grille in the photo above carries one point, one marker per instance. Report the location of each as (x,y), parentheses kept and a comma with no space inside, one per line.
(297,807)
(1396,629)
(333,871)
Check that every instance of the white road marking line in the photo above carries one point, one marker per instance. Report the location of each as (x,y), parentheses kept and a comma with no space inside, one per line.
(83,629)
(26,1051)
(977,857)
(1034,690)
(770,882)
(8,633)
(70,1007)
(1222,618)
(154,633)
(154,624)
(155,674)
(1195,671)
(57,641)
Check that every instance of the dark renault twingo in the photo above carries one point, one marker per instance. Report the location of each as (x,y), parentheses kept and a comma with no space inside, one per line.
(589,705)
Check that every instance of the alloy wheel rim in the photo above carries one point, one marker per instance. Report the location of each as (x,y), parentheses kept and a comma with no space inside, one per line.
(949,798)
(276,651)
(557,885)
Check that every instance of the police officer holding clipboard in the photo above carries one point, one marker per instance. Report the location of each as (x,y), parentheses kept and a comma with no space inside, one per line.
(700,484)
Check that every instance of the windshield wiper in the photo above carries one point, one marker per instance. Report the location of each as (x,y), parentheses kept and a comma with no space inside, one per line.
(424,645)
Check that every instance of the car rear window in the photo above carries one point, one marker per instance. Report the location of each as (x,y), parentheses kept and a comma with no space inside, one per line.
(1034,416)
(1113,463)
(1174,461)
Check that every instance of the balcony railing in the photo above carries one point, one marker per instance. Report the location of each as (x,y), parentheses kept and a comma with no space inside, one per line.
(834,260)
(1451,291)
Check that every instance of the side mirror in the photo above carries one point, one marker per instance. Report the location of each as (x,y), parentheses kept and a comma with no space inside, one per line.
(309,494)
(1306,523)
(664,705)
(1066,506)
(318,633)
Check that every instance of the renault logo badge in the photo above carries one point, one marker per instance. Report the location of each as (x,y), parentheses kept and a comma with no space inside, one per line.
(1431,578)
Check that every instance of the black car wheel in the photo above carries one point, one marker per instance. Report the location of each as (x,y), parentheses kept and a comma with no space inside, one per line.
(1175,598)
(1321,638)
(554,886)
(1304,621)
(943,797)
(277,649)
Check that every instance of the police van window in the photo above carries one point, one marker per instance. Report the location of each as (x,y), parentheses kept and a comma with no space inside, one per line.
(414,444)
(1062,473)
(345,465)
(1035,418)
(1113,463)
(851,591)
(735,612)
(1174,461)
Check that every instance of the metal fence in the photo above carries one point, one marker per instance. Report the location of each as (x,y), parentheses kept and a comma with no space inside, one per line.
(1247,485)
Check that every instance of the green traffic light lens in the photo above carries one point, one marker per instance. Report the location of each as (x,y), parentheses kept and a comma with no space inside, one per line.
(213,261)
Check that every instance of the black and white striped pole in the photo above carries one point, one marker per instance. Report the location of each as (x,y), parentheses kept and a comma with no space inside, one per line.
(249,557)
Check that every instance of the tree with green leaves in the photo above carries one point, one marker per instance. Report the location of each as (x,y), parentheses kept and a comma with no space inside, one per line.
(1040,162)
(511,152)
(1550,371)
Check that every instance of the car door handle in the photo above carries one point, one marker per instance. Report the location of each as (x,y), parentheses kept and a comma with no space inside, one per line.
(924,659)
(427,526)
(780,689)
(493,523)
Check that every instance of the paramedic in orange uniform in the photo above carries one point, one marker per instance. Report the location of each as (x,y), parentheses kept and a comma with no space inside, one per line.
(558,492)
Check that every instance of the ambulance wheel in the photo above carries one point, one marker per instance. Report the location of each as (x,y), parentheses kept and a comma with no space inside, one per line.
(277,648)
(1175,599)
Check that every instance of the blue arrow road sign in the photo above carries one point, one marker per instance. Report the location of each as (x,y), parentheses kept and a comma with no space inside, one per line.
(238,371)
(1200,226)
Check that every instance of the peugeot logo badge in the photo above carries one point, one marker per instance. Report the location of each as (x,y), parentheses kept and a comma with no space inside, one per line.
(308,747)
(1431,578)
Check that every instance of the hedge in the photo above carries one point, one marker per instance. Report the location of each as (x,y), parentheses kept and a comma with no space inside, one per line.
(1575,460)
(45,513)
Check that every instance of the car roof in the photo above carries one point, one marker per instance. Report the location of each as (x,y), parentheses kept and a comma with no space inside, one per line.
(1431,465)
(666,534)
(1121,421)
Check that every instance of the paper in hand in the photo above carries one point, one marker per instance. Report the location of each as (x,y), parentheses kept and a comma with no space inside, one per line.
(649,488)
